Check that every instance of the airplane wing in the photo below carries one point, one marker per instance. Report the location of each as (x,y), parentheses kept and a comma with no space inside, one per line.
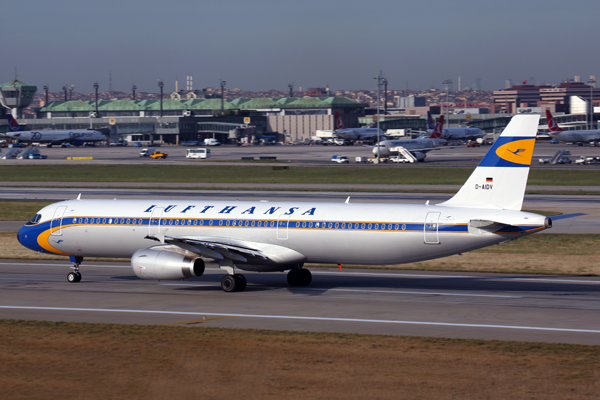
(220,248)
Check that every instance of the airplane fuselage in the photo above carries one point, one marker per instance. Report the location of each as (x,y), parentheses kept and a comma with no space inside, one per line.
(357,233)
(358,133)
(576,135)
(56,136)
(389,147)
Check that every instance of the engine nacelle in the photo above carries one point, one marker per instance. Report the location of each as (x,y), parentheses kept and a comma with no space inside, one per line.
(165,265)
(419,156)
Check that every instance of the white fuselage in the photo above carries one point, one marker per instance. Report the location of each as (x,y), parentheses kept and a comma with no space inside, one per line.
(358,133)
(57,137)
(390,147)
(356,233)
(462,133)
(576,135)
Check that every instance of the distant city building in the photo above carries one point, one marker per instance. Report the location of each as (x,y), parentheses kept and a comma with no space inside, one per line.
(411,101)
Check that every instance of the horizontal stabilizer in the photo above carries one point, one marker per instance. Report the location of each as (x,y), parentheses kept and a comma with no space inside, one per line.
(565,216)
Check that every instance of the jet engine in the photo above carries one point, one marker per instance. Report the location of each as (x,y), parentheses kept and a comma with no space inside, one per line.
(419,156)
(165,265)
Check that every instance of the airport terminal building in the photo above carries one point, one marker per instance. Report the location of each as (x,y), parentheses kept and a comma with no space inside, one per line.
(173,121)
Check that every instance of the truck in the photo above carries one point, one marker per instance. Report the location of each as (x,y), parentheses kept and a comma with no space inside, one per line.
(340,159)
(211,142)
(197,153)
(152,153)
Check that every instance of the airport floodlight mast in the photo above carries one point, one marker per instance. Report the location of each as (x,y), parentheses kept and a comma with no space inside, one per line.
(379,79)
(223,83)
(447,82)
(291,87)
(96,86)
(591,82)
(161,86)
(71,92)
(64,88)
(133,89)
(46,90)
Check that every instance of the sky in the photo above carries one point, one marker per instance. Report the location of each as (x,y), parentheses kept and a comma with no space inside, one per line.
(266,44)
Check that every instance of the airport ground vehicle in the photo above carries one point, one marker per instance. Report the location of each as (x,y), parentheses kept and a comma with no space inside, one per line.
(211,142)
(197,153)
(152,153)
(361,159)
(340,159)
(399,159)
(119,143)
(472,143)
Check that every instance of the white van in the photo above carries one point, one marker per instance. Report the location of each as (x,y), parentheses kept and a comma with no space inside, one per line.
(197,153)
(211,142)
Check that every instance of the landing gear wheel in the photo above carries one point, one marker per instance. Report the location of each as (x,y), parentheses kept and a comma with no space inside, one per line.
(74,277)
(229,283)
(240,284)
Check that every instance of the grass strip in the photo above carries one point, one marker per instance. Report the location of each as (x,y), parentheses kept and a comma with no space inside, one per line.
(62,360)
(267,174)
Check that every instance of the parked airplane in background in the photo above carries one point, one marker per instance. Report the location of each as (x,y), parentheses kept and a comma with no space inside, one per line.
(52,137)
(418,148)
(169,239)
(353,134)
(577,136)
(457,133)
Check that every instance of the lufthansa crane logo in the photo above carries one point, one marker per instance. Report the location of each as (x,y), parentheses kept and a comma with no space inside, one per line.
(517,152)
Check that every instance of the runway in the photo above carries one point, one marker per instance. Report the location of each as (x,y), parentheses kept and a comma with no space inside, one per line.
(454,305)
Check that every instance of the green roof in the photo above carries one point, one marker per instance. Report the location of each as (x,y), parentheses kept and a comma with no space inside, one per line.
(16,83)
(203,104)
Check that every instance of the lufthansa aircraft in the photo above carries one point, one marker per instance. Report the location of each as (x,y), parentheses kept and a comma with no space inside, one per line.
(577,136)
(76,137)
(169,239)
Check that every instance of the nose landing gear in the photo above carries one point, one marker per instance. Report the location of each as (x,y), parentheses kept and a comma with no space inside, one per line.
(75,276)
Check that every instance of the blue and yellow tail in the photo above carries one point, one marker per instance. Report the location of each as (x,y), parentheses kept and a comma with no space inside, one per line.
(500,179)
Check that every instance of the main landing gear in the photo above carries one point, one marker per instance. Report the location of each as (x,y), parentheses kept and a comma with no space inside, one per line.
(231,282)
(75,276)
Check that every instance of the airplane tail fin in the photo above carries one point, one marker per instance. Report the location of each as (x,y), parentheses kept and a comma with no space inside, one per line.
(339,124)
(552,125)
(438,129)
(500,179)
(430,122)
(13,125)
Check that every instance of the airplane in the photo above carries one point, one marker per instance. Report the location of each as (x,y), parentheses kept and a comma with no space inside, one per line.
(52,137)
(353,134)
(456,133)
(169,239)
(577,136)
(418,148)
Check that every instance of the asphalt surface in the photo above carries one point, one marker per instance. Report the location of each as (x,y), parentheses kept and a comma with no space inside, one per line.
(455,305)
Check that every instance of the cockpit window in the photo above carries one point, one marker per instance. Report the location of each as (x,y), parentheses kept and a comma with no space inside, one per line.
(36,219)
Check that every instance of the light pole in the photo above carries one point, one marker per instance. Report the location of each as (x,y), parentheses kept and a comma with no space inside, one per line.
(64,88)
(71,92)
(379,79)
(46,90)
(161,85)
(133,89)
(96,89)
(291,87)
(591,82)
(447,82)
(223,83)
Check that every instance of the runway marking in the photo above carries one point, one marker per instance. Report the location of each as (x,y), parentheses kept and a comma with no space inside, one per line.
(204,319)
(361,291)
(346,272)
(301,318)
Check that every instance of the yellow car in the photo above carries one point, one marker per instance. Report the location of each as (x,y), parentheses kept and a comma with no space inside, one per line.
(158,154)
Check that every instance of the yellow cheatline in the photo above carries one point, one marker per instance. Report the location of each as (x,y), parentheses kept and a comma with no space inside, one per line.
(79,158)
(198,321)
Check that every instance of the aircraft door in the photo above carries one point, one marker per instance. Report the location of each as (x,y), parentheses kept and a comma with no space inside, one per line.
(430,228)
(57,221)
(282,227)
(155,223)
